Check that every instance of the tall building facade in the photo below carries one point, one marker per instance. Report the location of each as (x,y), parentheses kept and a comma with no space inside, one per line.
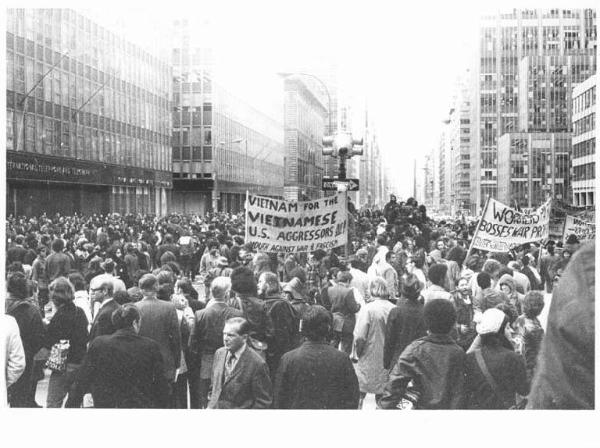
(222,146)
(545,87)
(304,124)
(584,143)
(504,40)
(532,167)
(88,123)
(460,122)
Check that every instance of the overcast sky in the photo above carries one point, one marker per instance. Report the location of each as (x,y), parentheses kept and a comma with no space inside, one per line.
(404,57)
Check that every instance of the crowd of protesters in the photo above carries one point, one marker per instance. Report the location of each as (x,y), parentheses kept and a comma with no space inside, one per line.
(178,312)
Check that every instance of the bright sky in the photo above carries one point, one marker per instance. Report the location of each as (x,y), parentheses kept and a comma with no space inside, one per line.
(404,57)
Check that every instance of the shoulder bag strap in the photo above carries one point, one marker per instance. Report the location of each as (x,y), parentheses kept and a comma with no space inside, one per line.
(488,376)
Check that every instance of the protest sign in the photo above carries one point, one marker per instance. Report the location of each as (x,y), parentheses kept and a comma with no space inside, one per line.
(583,230)
(502,227)
(274,225)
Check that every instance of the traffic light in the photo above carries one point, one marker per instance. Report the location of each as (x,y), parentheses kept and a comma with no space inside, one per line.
(342,145)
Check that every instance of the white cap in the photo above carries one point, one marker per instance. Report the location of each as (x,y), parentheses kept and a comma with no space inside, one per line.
(491,321)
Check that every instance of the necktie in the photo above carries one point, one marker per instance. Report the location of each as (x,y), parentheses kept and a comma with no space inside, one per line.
(229,363)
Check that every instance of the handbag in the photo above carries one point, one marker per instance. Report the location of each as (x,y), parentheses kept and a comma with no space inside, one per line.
(338,322)
(57,360)
(492,383)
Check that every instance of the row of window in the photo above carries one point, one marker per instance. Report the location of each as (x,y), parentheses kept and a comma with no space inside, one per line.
(196,116)
(584,148)
(43,135)
(195,153)
(62,29)
(584,172)
(585,124)
(136,106)
(584,101)
(68,114)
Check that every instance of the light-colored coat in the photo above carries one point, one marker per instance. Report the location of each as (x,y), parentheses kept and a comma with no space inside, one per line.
(369,334)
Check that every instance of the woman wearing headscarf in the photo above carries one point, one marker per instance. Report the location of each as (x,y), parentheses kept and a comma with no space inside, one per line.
(494,373)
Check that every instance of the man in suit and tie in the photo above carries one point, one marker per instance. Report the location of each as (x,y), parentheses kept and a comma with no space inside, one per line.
(159,322)
(122,370)
(207,335)
(240,375)
(102,324)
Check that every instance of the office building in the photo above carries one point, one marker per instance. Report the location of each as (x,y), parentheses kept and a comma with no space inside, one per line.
(222,146)
(584,143)
(305,116)
(545,86)
(505,39)
(532,167)
(87,118)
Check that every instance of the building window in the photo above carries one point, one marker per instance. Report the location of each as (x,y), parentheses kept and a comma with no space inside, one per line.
(207,156)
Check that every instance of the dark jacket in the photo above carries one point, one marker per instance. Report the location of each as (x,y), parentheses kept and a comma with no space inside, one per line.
(507,369)
(436,366)
(31,326)
(159,322)
(69,322)
(58,264)
(102,324)
(316,376)
(122,370)
(207,332)
(247,387)
(285,334)
(404,325)
(564,376)
(343,302)
(31,329)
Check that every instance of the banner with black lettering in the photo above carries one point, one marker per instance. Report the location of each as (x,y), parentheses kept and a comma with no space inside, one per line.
(275,225)
(583,230)
(502,227)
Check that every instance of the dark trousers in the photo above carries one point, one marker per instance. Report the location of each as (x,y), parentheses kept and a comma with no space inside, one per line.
(345,339)
(193,379)
(21,393)
(179,399)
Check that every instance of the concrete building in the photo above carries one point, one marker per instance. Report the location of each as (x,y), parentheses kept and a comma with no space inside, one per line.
(88,119)
(504,40)
(445,167)
(304,124)
(460,122)
(584,143)
(222,146)
(533,166)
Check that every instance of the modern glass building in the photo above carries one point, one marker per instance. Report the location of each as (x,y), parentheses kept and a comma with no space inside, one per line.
(533,167)
(88,119)
(545,86)
(584,143)
(505,39)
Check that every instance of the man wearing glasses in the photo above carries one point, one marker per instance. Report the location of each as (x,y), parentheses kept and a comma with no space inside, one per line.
(103,294)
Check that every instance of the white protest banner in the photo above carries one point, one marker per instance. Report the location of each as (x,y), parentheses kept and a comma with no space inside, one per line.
(502,227)
(274,225)
(583,230)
